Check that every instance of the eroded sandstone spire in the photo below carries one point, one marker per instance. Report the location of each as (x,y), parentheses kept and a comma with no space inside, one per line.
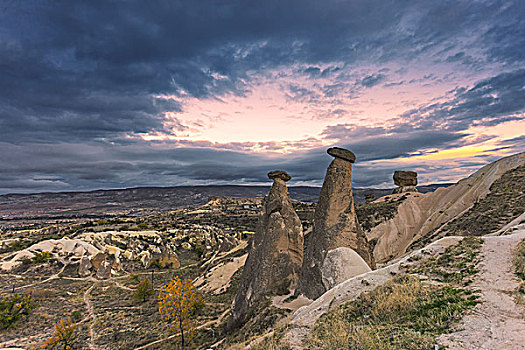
(337,248)
(276,251)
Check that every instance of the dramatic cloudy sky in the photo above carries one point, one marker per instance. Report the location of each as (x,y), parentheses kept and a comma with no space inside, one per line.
(105,94)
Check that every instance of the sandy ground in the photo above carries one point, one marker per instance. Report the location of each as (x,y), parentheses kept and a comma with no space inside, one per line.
(497,323)
(218,279)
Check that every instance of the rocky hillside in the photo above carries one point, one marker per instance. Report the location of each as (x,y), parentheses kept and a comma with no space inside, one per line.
(422,216)
(504,202)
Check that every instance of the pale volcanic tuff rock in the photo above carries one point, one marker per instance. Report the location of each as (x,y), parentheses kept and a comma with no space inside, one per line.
(276,251)
(335,226)
(406,180)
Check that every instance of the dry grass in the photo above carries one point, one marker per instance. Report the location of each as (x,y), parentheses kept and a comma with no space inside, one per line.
(519,264)
(405,313)
(273,341)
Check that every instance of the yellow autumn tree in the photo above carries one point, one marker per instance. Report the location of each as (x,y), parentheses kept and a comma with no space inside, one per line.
(64,337)
(178,301)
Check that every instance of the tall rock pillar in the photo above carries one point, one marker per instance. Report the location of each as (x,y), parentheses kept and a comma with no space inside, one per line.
(276,251)
(337,248)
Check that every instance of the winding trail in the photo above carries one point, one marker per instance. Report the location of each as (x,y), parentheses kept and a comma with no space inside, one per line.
(498,322)
(89,308)
(50,278)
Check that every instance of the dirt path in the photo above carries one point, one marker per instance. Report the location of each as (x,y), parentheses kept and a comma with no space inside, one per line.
(89,308)
(50,278)
(498,322)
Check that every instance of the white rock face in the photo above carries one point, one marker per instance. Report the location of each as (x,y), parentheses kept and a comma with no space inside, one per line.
(421,214)
(59,248)
(341,264)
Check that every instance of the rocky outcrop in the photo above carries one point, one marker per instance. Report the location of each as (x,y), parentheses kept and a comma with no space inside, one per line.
(422,216)
(64,250)
(405,180)
(104,270)
(132,247)
(276,251)
(341,264)
(166,258)
(335,226)
(84,267)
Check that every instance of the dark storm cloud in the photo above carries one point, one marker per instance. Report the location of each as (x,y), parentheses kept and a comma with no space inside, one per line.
(77,77)
(372,80)
(489,102)
(92,67)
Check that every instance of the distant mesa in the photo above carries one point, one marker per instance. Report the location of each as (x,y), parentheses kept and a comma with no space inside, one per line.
(405,180)
(279,174)
(342,153)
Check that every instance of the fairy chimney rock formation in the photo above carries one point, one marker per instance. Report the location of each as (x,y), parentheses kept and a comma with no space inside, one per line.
(330,255)
(276,251)
(406,180)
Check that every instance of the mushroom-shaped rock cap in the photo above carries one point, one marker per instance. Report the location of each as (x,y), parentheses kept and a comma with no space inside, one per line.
(405,178)
(342,153)
(279,174)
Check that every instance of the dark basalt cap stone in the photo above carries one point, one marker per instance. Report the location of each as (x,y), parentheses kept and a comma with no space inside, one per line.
(405,178)
(279,174)
(342,153)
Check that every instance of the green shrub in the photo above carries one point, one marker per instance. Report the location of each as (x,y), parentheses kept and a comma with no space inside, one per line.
(134,277)
(41,257)
(76,316)
(13,308)
(143,290)
(17,245)
(199,250)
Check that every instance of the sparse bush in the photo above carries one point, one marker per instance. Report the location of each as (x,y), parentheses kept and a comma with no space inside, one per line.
(143,226)
(274,341)
(13,308)
(17,245)
(76,315)
(199,250)
(143,290)
(134,277)
(88,224)
(41,257)
(25,261)
(519,259)
(64,337)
